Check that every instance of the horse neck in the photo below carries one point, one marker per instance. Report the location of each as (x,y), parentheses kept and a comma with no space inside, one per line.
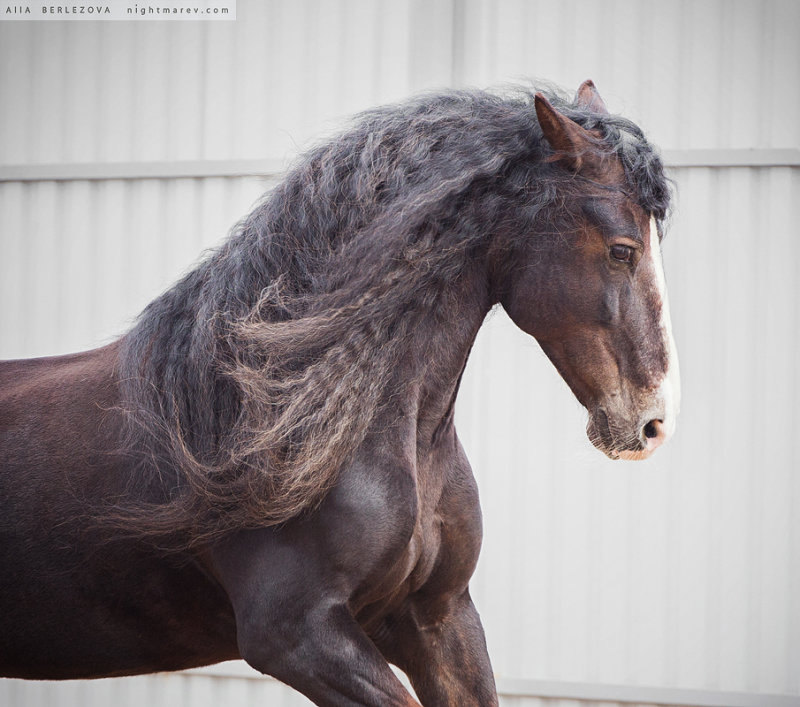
(440,348)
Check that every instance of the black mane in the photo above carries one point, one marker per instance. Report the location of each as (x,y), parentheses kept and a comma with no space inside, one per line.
(318,284)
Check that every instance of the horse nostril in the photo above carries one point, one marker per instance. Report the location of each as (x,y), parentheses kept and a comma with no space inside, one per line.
(651,429)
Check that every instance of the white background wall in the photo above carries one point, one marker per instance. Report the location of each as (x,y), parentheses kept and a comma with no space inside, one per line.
(678,577)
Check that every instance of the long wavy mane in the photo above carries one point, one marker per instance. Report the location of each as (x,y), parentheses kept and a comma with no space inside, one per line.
(252,381)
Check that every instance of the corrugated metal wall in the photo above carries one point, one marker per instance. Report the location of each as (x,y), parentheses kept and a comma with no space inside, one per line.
(679,576)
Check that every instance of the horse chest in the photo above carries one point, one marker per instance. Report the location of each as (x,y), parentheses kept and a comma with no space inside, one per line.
(442,551)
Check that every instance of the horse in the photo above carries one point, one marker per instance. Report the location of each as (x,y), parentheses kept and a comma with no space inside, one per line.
(265,466)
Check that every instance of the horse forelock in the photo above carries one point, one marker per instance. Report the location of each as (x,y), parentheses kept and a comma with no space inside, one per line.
(253,380)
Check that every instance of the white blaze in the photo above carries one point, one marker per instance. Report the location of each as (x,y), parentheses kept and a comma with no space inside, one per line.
(669,391)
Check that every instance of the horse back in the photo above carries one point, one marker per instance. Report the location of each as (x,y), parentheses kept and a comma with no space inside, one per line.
(47,404)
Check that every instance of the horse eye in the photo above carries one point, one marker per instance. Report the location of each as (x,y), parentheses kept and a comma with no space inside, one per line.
(623,253)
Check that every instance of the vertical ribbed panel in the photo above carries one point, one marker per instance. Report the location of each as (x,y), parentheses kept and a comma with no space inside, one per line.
(80,259)
(119,91)
(709,74)
(683,571)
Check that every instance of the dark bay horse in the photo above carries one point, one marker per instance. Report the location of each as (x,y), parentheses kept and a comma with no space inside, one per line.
(266,465)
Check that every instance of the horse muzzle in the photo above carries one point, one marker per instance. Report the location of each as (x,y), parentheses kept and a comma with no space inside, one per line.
(618,438)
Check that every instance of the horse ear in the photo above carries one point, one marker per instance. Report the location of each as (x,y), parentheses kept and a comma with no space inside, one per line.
(588,97)
(566,137)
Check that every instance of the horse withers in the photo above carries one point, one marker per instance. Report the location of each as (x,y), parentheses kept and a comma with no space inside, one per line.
(265,466)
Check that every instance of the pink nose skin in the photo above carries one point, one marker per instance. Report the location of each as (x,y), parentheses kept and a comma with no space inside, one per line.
(655,434)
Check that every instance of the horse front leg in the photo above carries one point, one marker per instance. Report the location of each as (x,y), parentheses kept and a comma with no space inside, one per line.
(441,646)
(325,655)
(293,621)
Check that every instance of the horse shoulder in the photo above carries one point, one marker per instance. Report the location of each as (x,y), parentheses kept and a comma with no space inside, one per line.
(352,540)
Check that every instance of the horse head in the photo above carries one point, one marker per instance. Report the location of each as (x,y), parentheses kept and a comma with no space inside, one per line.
(589,283)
